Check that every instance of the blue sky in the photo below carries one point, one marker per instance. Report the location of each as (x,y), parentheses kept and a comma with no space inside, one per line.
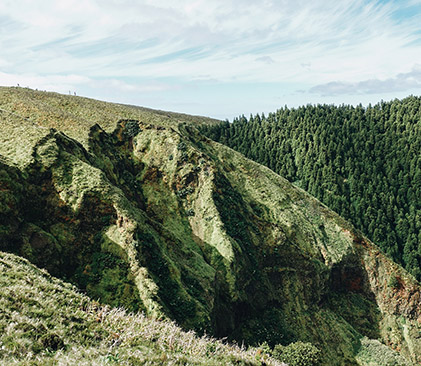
(219,58)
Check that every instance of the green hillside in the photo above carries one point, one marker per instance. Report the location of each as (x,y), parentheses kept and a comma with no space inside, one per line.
(139,210)
(45,321)
(364,163)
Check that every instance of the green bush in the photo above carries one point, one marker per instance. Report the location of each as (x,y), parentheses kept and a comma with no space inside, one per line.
(374,352)
(298,354)
(393,282)
(182,146)
(51,342)
(131,128)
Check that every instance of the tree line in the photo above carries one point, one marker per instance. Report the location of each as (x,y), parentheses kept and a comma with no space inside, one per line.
(362,162)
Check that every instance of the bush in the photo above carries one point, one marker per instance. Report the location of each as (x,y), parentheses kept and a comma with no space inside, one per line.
(184,192)
(182,146)
(393,282)
(374,352)
(131,128)
(298,354)
(51,342)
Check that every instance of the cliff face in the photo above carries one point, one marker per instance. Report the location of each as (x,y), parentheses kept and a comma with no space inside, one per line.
(140,210)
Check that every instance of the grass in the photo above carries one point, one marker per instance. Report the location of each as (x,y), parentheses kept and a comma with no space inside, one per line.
(75,115)
(45,321)
(212,239)
(373,353)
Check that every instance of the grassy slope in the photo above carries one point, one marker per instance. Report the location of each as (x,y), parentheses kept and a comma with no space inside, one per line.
(75,115)
(294,225)
(45,321)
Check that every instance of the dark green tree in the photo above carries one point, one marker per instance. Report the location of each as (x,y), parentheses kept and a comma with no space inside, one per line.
(364,163)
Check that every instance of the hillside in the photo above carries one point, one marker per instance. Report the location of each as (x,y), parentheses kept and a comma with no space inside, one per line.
(138,209)
(364,163)
(45,321)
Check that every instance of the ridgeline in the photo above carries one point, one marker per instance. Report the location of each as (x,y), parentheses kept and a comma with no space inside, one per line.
(139,210)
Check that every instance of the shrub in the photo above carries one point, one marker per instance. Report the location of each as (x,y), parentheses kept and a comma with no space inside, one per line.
(298,354)
(51,341)
(183,192)
(182,146)
(374,352)
(131,128)
(393,282)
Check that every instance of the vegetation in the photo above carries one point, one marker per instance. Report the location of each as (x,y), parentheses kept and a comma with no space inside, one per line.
(140,210)
(75,115)
(393,282)
(131,128)
(372,352)
(44,321)
(298,354)
(364,163)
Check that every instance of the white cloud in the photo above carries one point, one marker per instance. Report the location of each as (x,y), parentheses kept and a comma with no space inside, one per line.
(266,59)
(401,82)
(294,42)
(59,83)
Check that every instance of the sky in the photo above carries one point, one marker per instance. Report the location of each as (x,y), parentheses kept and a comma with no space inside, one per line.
(217,58)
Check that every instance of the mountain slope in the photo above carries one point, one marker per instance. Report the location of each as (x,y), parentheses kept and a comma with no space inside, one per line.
(364,163)
(147,213)
(44,321)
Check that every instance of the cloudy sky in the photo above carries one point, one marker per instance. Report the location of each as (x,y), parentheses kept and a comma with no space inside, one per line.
(219,58)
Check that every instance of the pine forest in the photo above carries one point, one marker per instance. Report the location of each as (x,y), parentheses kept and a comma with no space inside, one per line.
(362,162)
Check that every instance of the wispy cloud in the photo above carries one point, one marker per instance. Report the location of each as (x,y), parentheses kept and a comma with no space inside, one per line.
(401,82)
(266,59)
(323,46)
(59,83)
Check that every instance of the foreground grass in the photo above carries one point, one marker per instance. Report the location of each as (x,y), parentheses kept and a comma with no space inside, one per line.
(44,321)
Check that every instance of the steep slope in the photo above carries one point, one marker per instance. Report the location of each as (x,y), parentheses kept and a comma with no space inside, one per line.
(147,213)
(364,163)
(44,321)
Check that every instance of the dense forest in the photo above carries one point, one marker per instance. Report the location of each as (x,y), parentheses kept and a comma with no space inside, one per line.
(362,162)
